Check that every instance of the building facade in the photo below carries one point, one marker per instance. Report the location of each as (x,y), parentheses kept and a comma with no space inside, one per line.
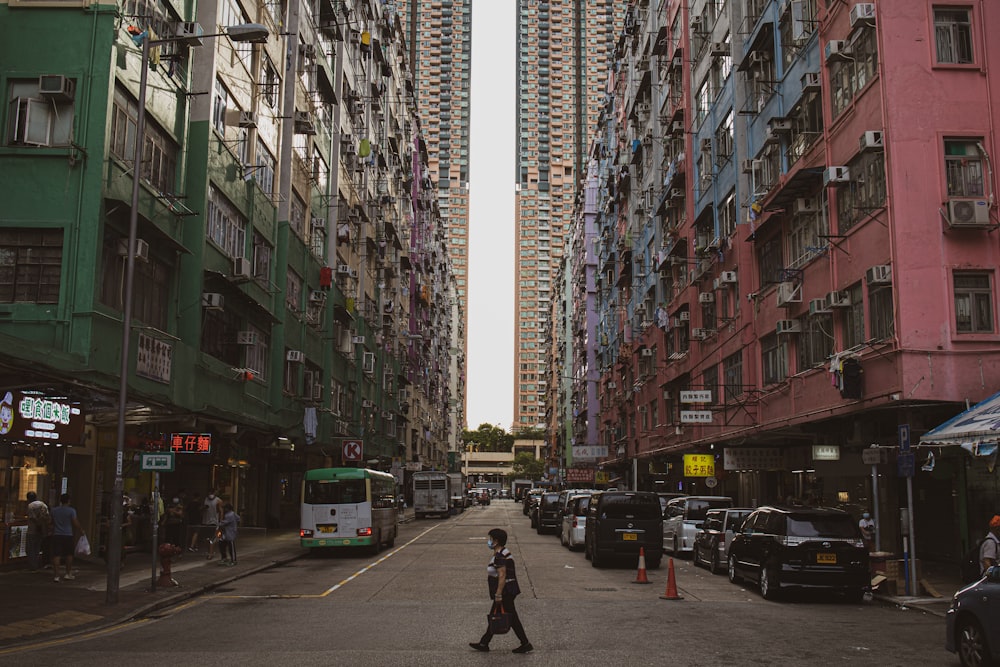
(796,208)
(293,288)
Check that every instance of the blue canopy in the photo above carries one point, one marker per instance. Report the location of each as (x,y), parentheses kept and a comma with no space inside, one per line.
(977,430)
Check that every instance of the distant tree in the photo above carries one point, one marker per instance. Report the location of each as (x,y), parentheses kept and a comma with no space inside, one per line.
(526,466)
(488,438)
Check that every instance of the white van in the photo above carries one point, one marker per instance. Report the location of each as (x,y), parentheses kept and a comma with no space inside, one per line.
(683,517)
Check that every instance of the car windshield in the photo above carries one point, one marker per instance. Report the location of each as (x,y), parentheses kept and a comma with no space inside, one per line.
(631,507)
(550,498)
(580,505)
(822,526)
(698,507)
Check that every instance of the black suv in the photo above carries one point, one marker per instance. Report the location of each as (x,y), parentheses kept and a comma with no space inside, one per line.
(622,522)
(807,547)
(549,512)
(530,497)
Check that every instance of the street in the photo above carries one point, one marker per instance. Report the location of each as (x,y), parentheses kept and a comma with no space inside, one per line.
(421,602)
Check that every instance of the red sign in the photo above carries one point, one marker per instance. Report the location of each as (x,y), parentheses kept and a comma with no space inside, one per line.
(191,443)
(579,474)
(352,450)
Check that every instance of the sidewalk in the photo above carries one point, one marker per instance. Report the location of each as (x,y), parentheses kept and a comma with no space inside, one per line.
(38,608)
(938,582)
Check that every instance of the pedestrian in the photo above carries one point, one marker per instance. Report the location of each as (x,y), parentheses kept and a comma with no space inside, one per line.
(228,529)
(211,515)
(66,530)
(173,522)
(39,525)
(989,551)
(867,527)
(192,517)
(502,582)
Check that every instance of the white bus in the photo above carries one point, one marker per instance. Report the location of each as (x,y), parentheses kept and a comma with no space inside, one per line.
(430,493)
(348,507)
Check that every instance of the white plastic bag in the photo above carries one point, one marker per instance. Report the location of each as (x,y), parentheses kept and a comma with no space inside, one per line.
(83,546)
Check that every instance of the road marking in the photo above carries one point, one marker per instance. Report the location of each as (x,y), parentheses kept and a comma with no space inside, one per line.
(75,638)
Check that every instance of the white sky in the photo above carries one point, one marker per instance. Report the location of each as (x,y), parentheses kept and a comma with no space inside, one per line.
(490,391)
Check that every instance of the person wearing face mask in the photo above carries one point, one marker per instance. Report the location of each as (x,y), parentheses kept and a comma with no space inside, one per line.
(867,527)
(502,582)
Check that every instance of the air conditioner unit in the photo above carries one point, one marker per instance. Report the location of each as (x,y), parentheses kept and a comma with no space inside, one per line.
(728,278)
(212,301)
(612,385)
(871,140)
(246,338)
(141,249)
(836,175)
(780,125)
(700,334)
(344,269)
(368,362)
(697,24)
(818,307)
(787,327)
(640,309)
(706,145)
(757,58)
(789,293)
(317,391)
(295,356)
(358,340)
(805,205)
(317,296)
(706,297)
(56,87)
(307,50)
(241,268)
(811,82)
(838,300)
(837,48)
(318,222)
(387,416)
(684,315)
(303,123)
(716,284)
(719,49)
(880,274)
(676,193)
(667,394)
(969,212)
(770,136)
(189,33)
(646,352)
(354,273)
(642,108)
(862,11)
(677,126)
(404,395)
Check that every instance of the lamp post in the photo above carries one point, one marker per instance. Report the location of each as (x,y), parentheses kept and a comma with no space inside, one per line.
(247,32)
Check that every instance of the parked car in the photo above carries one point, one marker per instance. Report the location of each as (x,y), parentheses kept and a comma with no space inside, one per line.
(666,497)
(549,513)
(620,523)
(712,542)
(973,622)
(807,547)
(529,498)
(683,518)
(574,521)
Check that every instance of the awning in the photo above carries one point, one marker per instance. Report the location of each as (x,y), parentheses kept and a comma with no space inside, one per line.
(977,430)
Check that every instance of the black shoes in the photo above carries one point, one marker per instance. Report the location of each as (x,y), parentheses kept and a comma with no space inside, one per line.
(523,648)
(480,647)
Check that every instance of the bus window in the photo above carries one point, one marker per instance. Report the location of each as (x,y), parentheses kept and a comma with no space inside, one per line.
(332,492)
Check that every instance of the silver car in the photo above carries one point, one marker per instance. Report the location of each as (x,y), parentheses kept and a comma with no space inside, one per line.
(683,518)
(574,522)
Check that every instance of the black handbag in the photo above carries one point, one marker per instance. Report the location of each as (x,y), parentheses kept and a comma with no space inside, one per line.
(499,619)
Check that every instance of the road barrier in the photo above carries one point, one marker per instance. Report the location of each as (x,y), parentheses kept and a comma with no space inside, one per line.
(640,577)
(671,592)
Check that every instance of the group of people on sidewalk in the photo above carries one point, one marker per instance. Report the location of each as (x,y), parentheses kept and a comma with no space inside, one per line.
(60,528)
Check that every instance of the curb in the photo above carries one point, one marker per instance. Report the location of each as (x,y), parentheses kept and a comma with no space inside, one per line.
(915,605)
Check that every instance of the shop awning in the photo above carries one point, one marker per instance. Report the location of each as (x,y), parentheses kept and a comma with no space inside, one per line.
(977,430)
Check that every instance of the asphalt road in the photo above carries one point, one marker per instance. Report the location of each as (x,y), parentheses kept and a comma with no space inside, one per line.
(423,601)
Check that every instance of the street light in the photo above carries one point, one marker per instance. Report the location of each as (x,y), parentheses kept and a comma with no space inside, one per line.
(247,32)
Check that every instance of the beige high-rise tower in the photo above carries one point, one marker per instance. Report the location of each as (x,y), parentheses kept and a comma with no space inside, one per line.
(564,48)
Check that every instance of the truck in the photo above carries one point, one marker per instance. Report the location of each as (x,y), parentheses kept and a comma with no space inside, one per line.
(430,493)
(456,487)
(519,487)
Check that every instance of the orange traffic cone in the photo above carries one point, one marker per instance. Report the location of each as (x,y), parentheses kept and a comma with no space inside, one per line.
(640,577)
(671,592)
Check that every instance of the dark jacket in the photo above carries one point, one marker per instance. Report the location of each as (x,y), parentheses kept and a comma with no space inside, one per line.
(503,558)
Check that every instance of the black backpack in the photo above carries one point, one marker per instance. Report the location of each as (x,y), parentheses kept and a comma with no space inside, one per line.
(971,565)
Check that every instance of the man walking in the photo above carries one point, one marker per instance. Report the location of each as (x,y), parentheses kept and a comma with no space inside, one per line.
(39,524)
(65,531)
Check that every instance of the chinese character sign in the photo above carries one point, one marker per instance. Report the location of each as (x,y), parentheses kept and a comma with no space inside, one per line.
(191,443)
(34,417)
(699,465)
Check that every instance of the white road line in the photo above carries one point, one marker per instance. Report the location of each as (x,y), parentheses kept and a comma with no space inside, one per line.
(371,565)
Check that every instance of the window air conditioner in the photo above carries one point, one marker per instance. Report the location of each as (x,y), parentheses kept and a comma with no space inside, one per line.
(212,301)
(720,49)
(317,296)
(837,48)
(684,315)
(862,11)
(969,212)
(318,222)
(787,327)
(700,334)
(789,293)
(295,356)
(728,278)
(837,300)
(871,140)
(647,352)
(317,391)
(805,205)
(246,338)
(880,274)
(706,145)
(706,297)
(307,50)
(189,33)
(344,269)
(141,249)
(677,126)
(241,267)
(56,87)
(303,123)
(818,307)
(780,125)
(811,82)
(836,175)
(612,385)
(358,340)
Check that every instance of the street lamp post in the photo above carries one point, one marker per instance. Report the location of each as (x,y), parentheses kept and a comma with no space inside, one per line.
(248,32)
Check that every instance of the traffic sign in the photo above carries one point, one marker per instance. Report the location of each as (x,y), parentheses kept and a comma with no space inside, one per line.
(904,465)
(353,450)
(157,462)
(904,437)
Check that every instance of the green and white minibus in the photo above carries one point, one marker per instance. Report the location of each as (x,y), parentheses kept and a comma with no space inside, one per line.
(348,507)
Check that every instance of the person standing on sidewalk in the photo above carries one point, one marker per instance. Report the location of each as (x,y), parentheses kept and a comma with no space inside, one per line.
(867,527)
(39,525)
(228,529)
(989,551)
(502,581)
(65,532)
(211,515)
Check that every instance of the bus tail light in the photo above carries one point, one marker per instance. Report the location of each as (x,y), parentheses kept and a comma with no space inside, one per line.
(364,532)
(305,532)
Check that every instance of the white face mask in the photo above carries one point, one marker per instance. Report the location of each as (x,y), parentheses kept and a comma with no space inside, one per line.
(211,496)
(489,542)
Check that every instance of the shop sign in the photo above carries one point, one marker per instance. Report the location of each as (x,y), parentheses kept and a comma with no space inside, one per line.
(697,396)
(699,465)
(191,443)
(601,477)
(157,462)
(590,452)
(414,466)
(753,458)
(352,450)
(154,358)
(826,452)
(696,416)
(25,416)
(579,474)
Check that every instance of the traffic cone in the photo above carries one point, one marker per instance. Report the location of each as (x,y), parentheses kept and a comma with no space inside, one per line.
(671,592)
(640,577)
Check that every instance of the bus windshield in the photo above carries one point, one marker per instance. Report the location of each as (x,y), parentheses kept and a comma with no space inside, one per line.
(335,491)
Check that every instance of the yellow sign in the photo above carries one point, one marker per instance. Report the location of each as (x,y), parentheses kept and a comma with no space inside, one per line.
(699,465)
(601,477)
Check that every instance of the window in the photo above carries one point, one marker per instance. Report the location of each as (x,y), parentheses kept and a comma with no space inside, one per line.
(865,193)
(297,215)
(849,76)
(256,355)
(221,103)
(159,152)
(727,215)
(30,265)
(226,226)
(807,126)
(293,291)
(151,285)
(880,312)
(218,336)
(37,119)
(973,302)
(815,343)
(724,140)
(953,36)
(710,381)
(230,13)
(261,258)
(854,317)
(963,165)
(805,237)
(265,167)
(270,83)
(769,261)
(774,358)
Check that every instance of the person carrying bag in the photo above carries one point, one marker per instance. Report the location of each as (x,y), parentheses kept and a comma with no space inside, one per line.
(503,586)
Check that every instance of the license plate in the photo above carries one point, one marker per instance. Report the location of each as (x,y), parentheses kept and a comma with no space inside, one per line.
(633,537)
(826,559)
(331,528)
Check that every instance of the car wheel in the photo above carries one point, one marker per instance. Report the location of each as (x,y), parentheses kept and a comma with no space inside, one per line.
(768,583)
(713,565)
(377,545)
(971,644)
(733,577)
